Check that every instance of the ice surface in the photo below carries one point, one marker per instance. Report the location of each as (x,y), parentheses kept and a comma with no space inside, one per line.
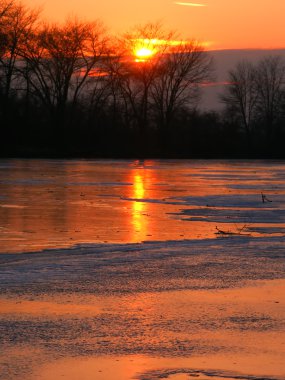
(161,265)
(170,299)
(164,296)
(61,203)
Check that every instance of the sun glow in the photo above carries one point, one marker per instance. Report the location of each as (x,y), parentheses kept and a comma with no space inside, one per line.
(144,54)
(144,49)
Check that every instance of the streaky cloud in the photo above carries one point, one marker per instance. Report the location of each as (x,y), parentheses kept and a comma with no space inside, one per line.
(190,4)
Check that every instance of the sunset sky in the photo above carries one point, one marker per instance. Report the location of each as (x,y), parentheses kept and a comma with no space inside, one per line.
(225,24)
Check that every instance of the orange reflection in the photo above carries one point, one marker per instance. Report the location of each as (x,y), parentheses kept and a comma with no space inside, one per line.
(138,207)
(161,319)
(47,204)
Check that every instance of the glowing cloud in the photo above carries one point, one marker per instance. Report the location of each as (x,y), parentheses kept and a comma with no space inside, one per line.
(149,44)
(190,4)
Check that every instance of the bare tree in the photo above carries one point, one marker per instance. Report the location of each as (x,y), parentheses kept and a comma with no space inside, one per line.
(18,25)
(5,7)
(61,59)
(116,80)
(270,86)
(154,87)
(241,96)
(137,74)
(182,69)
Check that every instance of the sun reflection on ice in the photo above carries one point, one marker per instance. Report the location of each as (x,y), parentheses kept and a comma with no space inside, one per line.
(139,207)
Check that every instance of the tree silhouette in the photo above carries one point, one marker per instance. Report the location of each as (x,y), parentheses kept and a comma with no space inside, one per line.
(152,89)
(19,25)
(60,60)
(270,87)
(241,96)
(182,69)
(255,95)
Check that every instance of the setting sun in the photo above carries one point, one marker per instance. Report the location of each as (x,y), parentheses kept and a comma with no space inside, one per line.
(144,53)
(144,50)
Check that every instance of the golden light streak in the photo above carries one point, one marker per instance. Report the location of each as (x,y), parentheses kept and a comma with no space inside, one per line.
(157,42)
(190,4)
(150,43)
(138,207)
(145,49)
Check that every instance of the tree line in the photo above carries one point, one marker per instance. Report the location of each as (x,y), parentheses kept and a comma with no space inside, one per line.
(255,101)
(72,89)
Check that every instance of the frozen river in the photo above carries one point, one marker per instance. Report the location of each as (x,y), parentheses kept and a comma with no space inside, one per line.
(121,270)
(52,204)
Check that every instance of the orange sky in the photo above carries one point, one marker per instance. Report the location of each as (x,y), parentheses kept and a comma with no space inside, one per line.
(224,23)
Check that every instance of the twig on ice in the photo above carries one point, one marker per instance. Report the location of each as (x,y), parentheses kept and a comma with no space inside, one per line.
(226,233)
(264,198)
